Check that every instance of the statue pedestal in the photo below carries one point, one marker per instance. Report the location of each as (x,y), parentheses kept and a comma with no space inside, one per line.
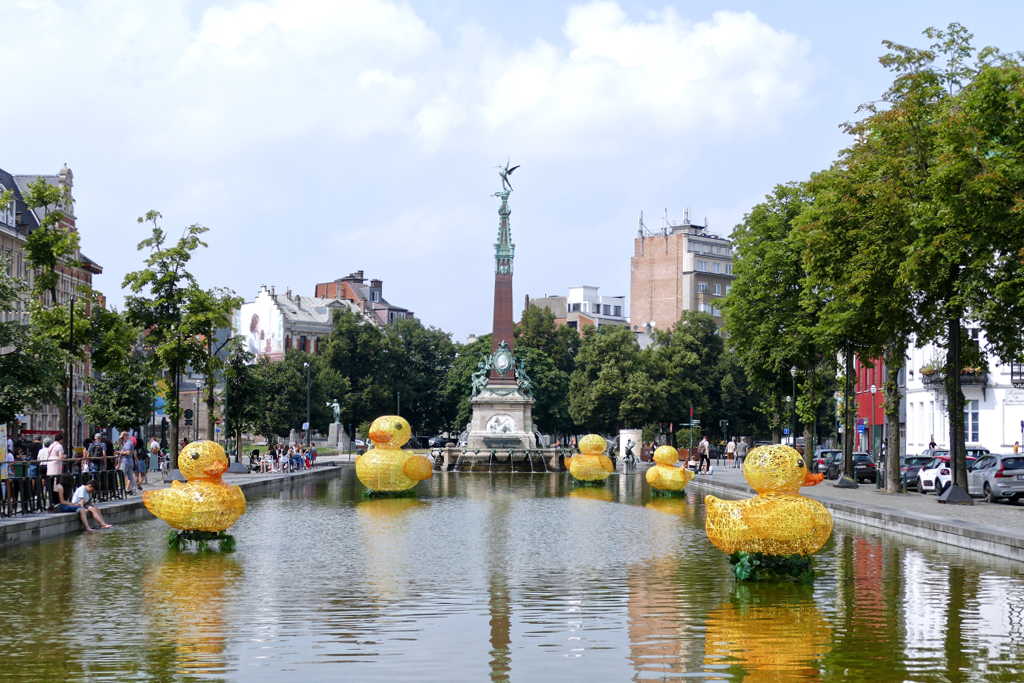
(502,419)
(335,436)
(634,435)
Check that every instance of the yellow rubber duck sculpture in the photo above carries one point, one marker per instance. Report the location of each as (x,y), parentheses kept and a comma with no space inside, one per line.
(591,464)
(778,520)
(665,476)
(205,503)
(386,467)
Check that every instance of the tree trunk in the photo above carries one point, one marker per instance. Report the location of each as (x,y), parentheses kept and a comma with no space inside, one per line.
(895,358)
(849,405)
(955,406)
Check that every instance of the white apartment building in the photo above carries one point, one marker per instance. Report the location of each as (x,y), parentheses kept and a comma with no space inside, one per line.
(993,410)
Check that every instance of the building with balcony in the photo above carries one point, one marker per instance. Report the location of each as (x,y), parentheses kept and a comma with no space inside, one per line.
(678,268)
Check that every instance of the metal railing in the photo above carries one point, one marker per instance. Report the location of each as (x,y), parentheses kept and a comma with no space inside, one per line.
(25,495)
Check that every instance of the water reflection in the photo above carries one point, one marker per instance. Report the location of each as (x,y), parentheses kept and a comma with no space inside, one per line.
(184,599)
(501,577)
(769,632)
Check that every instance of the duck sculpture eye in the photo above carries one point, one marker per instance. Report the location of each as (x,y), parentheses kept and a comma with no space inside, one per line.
(398,426)
(799,463)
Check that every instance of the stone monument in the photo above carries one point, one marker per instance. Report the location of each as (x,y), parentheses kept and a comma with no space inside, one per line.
(502,392)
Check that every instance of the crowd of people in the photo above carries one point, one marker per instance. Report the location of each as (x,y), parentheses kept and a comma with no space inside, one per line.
(281,458)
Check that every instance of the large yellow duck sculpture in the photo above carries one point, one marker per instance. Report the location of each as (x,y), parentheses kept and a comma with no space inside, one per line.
(205,503)
(778,520)
(665,476)
(386,467)
(591,465)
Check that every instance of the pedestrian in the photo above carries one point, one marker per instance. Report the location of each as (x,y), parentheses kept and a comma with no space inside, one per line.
(703,450)
(154,449)
(79,501)
(141,466)
(33,455)
(7,472)
(127,464)
(55,456)
(741,451)
(1016,447)
(97,453)
(931,442)
(730,452)
(312,455)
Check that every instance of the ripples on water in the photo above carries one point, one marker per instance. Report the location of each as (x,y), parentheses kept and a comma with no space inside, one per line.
(501,578)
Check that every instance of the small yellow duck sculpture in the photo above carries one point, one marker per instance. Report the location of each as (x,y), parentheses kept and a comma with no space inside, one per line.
(777,521)
(386,467)
(665,476)
(205,503)
(591,464)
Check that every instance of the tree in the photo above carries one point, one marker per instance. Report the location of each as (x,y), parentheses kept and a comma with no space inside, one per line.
(537,330)
(417,360)
(550,391)
(166,281)
(245,393)
(122,397)
(770,324)
(51,244)
(356,351)
(31,364)
(599,386)
(457,386)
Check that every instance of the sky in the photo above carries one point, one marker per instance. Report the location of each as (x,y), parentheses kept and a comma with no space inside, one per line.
(315,139)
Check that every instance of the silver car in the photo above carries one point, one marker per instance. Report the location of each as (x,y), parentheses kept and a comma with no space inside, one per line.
(997,476)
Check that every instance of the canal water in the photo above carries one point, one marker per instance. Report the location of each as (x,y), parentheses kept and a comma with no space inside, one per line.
(497,577)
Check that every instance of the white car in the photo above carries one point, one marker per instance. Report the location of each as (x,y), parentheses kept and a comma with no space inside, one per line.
(937,475)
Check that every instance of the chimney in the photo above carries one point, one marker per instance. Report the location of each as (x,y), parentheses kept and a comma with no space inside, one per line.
(526,305)
(377,284)
(288,293)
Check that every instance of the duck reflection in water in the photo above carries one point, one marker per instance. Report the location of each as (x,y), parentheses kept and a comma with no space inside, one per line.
(772,633)
(597,493)
(184,597)
(391,548)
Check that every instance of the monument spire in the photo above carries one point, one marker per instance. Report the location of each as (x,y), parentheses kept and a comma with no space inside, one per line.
(503,329)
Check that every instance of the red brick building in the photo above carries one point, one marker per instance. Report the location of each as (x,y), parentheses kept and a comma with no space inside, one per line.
(369,298)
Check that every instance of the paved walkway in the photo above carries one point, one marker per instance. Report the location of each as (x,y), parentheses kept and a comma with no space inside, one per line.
(1003,514)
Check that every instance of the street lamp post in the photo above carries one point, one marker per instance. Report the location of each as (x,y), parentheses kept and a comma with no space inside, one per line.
(308,426)
(836,397)
(789,407)
(871,437)
(792,371)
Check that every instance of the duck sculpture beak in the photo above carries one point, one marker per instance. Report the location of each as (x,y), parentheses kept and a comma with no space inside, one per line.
(217,468)
(813,479)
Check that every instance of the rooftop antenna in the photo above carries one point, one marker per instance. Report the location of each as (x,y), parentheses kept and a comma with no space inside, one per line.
(686,216)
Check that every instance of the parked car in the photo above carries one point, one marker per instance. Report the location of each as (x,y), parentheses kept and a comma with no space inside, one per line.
(909,467)
(937,474)
(821,457)
(861,469)
(997,477)
(439,441)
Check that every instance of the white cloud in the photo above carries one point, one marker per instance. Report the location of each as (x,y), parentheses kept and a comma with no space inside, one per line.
(256,72)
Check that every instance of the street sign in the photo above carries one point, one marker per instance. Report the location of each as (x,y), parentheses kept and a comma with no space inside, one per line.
(785,431)
(694,422)
(188,413)
(861,428)
(723,423)
(305,426)
(217,430)
(188,423)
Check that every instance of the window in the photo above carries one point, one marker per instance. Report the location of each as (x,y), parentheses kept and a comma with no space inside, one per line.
(574,307)
(704,308)
(728,269)
(728,288)
(971,421)
(717,311)
(702,287)
(374,296)
(302,343)
(717,267)
(607,309)
(718,290)
(617,311)
(702,266)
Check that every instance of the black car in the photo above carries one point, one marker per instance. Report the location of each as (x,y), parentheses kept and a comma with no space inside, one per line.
(863,466)
(439,441)
(909,467)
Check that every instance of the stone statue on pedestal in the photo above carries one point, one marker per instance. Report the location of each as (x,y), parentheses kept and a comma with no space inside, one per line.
(337,411)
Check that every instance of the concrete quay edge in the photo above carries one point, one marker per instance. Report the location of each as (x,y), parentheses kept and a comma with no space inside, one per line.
(35,527)
(983,538)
